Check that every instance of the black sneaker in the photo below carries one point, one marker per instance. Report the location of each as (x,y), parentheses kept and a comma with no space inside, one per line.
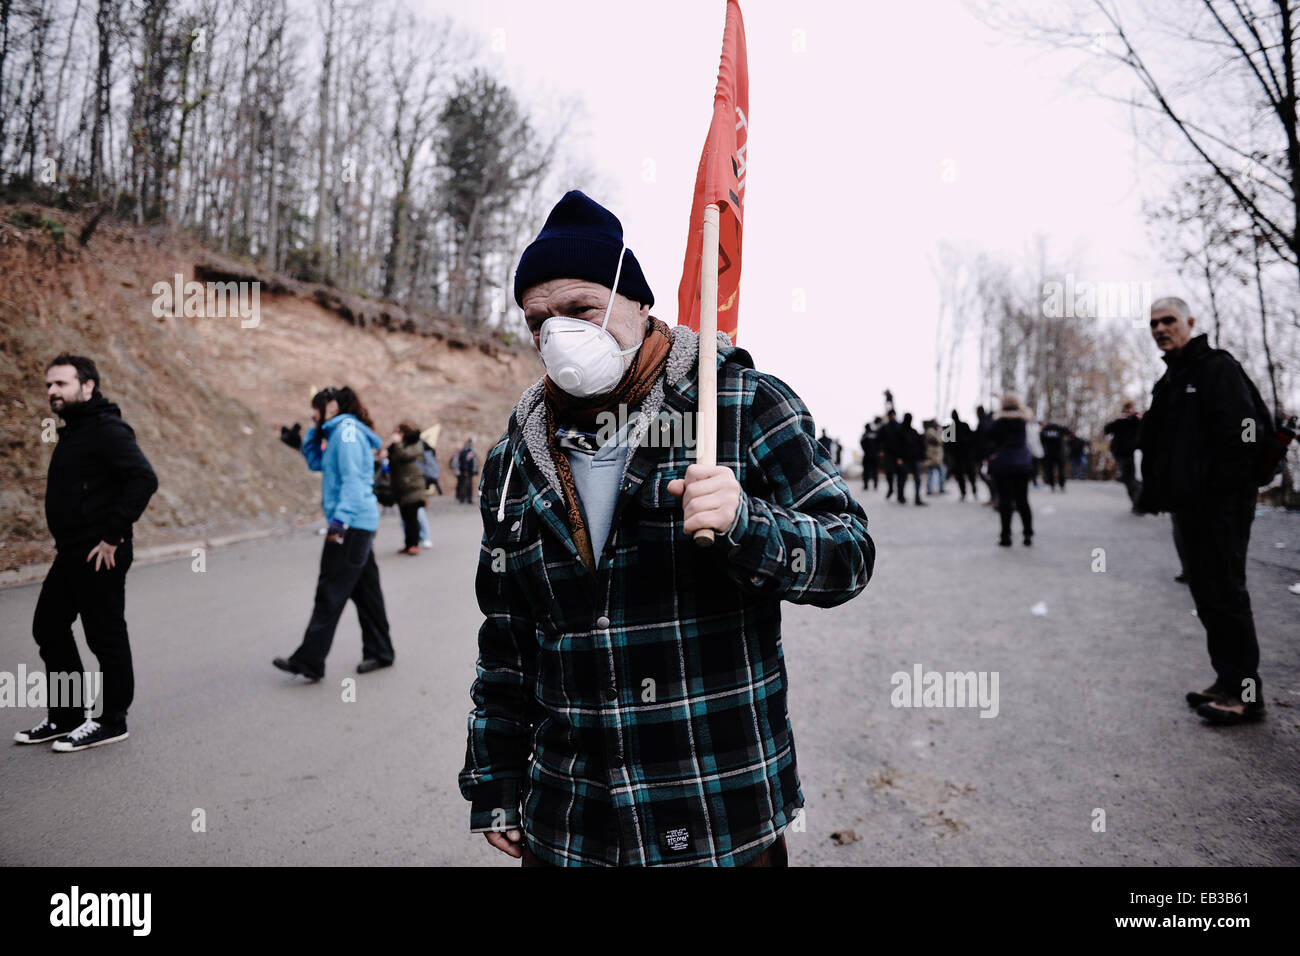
(91,734)
(44,732)
(293,667)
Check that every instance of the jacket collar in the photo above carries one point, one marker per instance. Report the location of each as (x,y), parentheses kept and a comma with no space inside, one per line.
(95,406)
(1197,348)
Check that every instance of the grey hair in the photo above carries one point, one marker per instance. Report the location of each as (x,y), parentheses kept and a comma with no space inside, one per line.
(1173,302)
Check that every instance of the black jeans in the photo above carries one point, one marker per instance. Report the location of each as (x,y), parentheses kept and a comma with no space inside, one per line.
(73,587)
(1215,538)
(1055,470)
(963,467)
(347,570)
(411,523)
(870,470)
(1013,495)
(1128,475)
(912,468)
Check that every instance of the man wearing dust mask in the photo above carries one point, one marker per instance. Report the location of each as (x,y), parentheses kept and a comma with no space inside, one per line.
(630,700)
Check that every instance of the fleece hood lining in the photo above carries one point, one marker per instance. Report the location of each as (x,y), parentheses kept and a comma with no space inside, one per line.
(530,412)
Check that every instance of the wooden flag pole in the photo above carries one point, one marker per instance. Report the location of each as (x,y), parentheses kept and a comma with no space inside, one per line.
(706,430)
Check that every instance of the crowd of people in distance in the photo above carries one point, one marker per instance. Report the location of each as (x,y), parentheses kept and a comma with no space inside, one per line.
(1008,450)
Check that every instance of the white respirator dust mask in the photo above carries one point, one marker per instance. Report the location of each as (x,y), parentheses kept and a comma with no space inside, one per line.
(582,358)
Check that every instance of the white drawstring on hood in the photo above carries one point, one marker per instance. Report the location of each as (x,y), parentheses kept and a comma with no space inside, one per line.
(501,508)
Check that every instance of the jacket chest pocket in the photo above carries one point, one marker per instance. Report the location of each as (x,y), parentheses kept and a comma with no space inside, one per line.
(518,550)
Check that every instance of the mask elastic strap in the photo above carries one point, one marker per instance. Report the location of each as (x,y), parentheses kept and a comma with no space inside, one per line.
(610,305)
(614,291)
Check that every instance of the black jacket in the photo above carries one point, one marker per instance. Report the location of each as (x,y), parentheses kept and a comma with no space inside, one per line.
(911,444)
(1009,453)
(99,481)
(891,440)
(1123,434)
(1054,437)
(1192,437)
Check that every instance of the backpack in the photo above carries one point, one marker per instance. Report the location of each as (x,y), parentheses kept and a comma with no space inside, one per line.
(1271,440)
(429,464)
(384,487)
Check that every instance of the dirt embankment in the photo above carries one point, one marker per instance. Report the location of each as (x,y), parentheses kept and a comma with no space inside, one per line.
(207,395)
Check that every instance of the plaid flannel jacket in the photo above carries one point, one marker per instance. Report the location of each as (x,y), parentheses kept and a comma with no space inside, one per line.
(637,715)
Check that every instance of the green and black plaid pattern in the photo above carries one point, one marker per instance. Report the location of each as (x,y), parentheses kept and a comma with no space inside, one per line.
(637,715)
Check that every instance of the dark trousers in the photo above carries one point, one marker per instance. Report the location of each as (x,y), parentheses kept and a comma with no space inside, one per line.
(1055,470)
(775,855)
(347,570)
(1128,475)
(1215,538)
(912,468)
(1013,495)
(411,523)
(891,470)
(870,470)
(465,488)
(963,467)
(1178,545)
(73,587)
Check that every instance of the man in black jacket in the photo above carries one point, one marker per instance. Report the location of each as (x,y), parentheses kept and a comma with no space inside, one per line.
(98,486)
(891,447)
(870,443)
(911,450)
(1123,433)
(1198,444)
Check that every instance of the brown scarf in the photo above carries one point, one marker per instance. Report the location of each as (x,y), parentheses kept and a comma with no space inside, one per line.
(647,365)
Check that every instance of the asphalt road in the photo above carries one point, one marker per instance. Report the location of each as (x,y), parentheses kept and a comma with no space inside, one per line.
(1090,711)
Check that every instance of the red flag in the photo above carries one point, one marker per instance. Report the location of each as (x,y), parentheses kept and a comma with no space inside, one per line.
(721,180)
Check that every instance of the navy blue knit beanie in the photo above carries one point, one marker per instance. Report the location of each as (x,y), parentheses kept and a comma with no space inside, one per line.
(581,240)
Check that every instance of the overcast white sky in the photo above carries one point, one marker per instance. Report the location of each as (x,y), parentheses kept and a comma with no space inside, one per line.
(846,198)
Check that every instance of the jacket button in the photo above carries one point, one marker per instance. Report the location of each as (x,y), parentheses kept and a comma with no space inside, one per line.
(546,504)
(602,622)
(611,693)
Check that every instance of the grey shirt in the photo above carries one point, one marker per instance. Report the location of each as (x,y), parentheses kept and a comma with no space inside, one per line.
(597,473)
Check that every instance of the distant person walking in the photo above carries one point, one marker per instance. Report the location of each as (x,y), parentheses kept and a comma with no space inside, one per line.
(466,469)
(870,443)
(1123,433)
(1198,464)
(911,454)
(964,463)
(934,476)
(341,446)
(405,462)
(1011,466)
(99,483)
(891,450)
(1055,440)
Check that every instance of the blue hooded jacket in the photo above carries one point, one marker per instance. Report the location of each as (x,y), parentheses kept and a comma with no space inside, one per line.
(347,467)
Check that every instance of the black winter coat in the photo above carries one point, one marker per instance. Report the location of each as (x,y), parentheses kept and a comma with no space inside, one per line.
(1192,439)
(1123,434)
(1009,446)
(99,481)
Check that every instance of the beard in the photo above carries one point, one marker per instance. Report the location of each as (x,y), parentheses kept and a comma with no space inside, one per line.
(58,402)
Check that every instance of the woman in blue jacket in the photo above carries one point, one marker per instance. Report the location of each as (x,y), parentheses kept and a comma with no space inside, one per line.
(341,446)
(1011,465)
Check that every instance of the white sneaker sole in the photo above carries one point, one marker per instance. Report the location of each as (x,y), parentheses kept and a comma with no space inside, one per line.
(22,738)
(63,746)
